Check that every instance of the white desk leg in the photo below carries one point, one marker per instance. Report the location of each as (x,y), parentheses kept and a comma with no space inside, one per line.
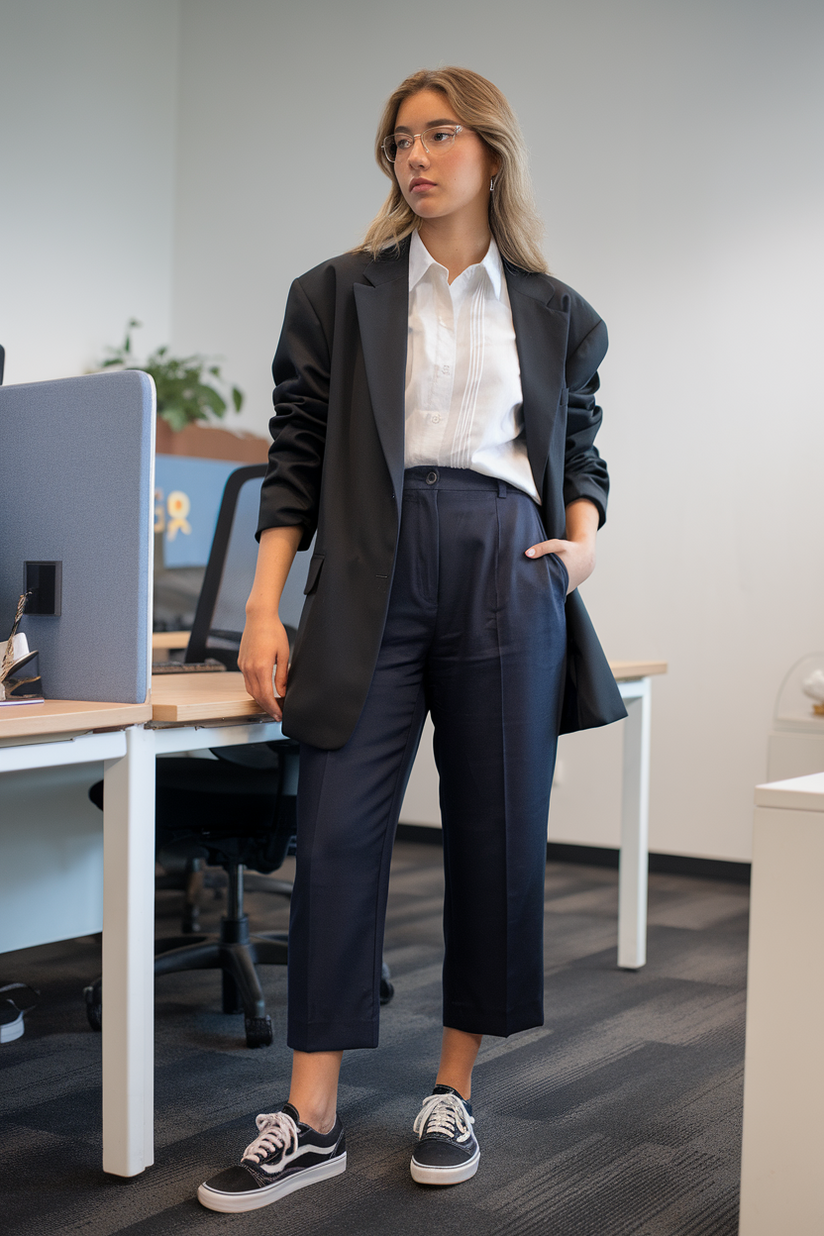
(634,861)
(128,957)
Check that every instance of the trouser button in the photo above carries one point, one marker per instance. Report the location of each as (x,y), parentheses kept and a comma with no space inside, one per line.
(431,478)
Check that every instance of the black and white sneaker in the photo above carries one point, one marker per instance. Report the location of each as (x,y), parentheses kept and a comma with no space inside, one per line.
(447,1151)
(286,1155)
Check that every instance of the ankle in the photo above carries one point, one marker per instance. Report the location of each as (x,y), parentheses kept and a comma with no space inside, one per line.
(319,1116)
(463,1085)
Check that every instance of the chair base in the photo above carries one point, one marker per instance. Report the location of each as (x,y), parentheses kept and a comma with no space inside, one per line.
(235,953)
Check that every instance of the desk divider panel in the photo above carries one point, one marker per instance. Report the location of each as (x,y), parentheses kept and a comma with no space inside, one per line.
(76,487)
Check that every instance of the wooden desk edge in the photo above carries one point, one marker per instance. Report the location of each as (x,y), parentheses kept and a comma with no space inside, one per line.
(65,716)
(181,698)
(168,640)
(626,671)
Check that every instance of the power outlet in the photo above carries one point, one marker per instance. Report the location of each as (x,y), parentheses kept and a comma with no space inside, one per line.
(44,580)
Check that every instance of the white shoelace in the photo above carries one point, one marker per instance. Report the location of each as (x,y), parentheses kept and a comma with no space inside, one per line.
(277,1131)
(444,1114)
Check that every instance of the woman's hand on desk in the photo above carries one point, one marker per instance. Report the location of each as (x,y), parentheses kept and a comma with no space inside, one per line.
(264,648)
(578,552)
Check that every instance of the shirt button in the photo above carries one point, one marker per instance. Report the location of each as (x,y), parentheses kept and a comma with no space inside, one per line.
(431,478)
(444,369)
(435,419)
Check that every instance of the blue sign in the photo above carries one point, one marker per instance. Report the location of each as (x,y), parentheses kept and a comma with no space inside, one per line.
(187,499)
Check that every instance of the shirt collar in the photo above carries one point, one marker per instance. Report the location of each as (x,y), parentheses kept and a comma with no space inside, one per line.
(420,260)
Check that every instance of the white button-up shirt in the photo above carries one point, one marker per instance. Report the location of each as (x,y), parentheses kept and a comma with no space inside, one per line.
(464,404)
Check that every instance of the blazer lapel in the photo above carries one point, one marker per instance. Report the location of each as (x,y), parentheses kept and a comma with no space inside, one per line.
(541,339)
(382,305)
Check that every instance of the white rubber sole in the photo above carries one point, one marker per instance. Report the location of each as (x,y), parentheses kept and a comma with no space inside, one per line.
(12,1030)
(237,1203)
(445,1175)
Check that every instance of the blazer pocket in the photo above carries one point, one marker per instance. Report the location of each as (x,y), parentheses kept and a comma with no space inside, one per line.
(313,574)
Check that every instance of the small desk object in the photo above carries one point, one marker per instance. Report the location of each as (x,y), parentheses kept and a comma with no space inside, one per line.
(783,1145)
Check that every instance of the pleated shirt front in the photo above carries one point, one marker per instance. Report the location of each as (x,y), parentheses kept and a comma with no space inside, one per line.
(464,403)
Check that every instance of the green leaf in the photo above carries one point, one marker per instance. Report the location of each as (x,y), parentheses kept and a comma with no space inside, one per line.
(206,395)
(182,394)
(176,417)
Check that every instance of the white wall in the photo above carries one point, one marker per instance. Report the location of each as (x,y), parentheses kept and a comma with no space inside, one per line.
(676,154)
(675,160)
(87,130)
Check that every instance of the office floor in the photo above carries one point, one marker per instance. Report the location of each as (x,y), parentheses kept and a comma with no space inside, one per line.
(620,1116)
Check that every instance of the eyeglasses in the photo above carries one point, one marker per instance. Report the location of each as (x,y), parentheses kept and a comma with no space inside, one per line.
(434,141)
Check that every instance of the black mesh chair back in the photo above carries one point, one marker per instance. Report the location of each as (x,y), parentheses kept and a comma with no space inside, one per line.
(221,609)
(237,811)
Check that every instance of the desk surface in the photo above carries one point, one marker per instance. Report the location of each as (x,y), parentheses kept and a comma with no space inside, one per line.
(68,716)
(628,671)
(798,794)
(180,699)
(184,698)
(624,671)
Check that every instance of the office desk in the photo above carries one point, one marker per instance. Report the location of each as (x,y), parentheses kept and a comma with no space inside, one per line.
(634,683)
(783,1141)
(60,733)
(190,712)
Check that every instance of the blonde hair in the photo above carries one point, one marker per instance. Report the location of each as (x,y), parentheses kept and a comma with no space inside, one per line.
(513,220)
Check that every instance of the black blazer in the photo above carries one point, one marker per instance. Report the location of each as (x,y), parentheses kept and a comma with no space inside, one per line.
(336,467)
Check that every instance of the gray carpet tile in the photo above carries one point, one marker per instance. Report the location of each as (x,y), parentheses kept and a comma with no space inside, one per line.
(621,1116)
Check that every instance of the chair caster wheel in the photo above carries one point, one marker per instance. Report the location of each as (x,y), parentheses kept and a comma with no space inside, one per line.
(387,988)
(259,1031)
(94,1006)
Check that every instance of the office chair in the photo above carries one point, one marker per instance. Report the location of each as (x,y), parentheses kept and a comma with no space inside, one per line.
(237,810)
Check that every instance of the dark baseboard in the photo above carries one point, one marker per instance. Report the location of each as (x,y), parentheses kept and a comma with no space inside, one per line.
(604,856)
(672,864)
(420,833)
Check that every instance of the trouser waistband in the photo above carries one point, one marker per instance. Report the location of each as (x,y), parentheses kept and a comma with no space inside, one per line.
(435,477)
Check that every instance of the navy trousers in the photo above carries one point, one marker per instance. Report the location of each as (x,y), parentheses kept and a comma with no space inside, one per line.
(475,635)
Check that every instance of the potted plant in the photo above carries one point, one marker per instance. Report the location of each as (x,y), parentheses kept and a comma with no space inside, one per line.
(189,388)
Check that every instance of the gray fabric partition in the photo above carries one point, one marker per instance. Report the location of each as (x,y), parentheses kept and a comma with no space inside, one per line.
(76,487)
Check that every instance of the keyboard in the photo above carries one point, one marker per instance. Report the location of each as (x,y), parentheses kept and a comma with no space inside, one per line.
(209,666)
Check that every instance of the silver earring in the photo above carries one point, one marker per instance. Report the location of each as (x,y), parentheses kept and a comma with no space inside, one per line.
(492,185)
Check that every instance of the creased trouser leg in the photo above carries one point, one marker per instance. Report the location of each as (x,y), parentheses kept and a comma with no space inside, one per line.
(475,633)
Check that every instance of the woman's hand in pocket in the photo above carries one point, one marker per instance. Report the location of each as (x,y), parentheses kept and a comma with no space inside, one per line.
(578,552)
(577,557)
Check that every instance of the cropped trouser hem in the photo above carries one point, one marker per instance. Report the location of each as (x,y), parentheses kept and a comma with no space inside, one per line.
(333,1036)
(500,1024)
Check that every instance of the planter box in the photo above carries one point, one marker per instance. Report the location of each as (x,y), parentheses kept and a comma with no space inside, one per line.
(211,442)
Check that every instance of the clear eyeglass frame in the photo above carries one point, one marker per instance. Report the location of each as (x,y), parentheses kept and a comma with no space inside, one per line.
(437,140)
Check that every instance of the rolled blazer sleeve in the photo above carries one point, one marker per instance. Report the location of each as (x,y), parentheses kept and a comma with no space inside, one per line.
(585,473)
(290,493)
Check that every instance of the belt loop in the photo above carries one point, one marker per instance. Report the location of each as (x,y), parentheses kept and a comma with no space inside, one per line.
(501,488)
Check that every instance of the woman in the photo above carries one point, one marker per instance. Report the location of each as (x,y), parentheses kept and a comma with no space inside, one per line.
(435,419)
